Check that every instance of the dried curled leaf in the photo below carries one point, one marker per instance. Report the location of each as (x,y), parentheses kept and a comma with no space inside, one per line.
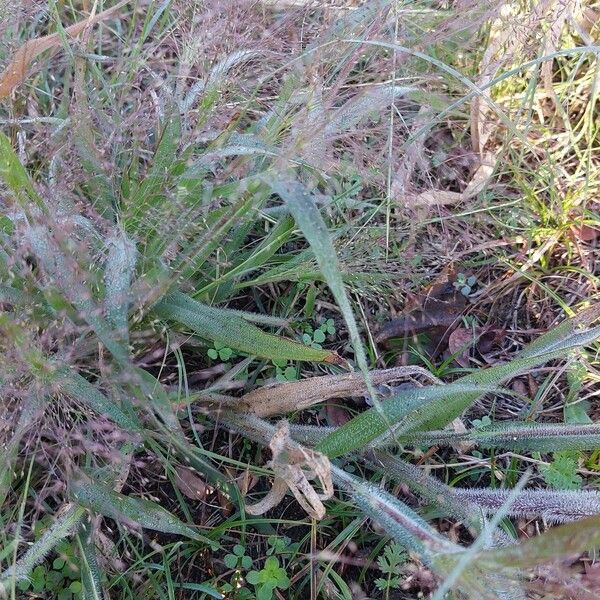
(280,398)
(294,467)
(16,71)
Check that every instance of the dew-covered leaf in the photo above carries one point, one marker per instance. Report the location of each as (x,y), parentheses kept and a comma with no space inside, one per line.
(119,507)
(74,385)
(233,331)
(435,406)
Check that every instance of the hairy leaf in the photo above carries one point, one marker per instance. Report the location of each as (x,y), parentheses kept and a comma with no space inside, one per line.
(435,406)
(118,274)
(70,517)
(535,437)
(74,385)
(123,508)
(91,576)
(231,330)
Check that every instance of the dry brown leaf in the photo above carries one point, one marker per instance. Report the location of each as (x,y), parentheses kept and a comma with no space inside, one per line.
(489,339)
(585,233)
(460,343)
(441,307)
(280,398)
(246,481)
(16,70)
(432,198)
(191,484)
(337,415)
(294,466)
(480,177)
(519,387)
(225,503)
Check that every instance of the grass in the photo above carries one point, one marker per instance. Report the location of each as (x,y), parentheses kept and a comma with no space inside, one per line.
(213,217)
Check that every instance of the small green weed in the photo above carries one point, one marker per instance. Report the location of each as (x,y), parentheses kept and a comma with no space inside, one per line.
(58,576)
(314,337)
(390,564)
(561,473)
(485,421)
(272,576)
(465,284)
(284,371)
(221,352)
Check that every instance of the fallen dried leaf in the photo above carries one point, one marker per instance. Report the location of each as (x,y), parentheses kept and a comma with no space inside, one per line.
(16,70)
(432,198)
(481,176)
(460,342)
(441,307)
(489,339)
(191,484)
(246,481)
(520,388)
(294,466)
(280,398)
(225,503)
(584,233)
(337,415)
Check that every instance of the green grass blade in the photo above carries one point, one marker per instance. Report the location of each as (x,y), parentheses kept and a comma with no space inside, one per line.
(91,576)
(308,217)
(401,408)
(62,527)
(399,521)
(554,507)
(151,189)
(278,236)
(16,177)
(74,385)
(565,540)
(118,275)
(533,437)
(31,409)
(119,507)
(435,406)
(59,267)
(226,327)
(195,252)
(150,390)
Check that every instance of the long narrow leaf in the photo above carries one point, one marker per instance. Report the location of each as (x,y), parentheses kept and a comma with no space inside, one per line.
(70,517)
(435,406)
(399,520)
(31,409)
(16,177)
(118,274)
(61,271)
(229,329)
(74,385)
(91,577)
(555,507)
(308,217)
(534,437)
(119,507)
